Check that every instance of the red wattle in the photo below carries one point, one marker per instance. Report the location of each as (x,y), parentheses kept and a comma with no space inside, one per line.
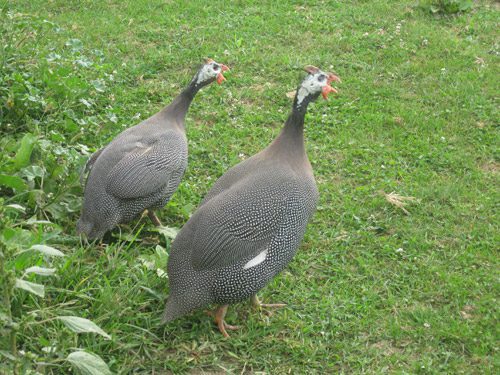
(220,78)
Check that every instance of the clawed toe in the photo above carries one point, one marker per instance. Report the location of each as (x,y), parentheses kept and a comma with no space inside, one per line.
(219,320)
(220,313)
(230,327)
(256,302)
(272,305)
(223,326)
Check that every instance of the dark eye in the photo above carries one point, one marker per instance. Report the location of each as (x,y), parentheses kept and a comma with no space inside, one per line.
(216,67)
(321,78)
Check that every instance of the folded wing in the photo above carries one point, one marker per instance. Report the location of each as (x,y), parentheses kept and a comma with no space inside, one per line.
(239,223)
(146,168)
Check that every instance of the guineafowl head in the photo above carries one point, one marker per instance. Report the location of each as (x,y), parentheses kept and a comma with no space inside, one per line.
(210,71)
(316,82)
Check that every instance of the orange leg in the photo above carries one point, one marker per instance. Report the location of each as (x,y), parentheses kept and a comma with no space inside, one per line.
(219,320)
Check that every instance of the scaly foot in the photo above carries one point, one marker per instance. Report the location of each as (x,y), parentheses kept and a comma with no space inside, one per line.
(219,320)
(152,216)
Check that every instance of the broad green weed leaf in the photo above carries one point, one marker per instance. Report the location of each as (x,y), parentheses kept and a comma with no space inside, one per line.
(40,271)
(75,45)
(84,62)
(23,154)
(81,325)
(168,232)
(14,182)
(16,207)
(34,288)
(99,85)
(88,363)
(32,172)
(47,250)
(34,221)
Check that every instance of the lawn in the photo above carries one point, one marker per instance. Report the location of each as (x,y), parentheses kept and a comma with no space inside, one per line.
(377,286)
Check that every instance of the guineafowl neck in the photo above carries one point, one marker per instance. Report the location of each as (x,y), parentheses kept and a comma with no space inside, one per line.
(291,138)
(180,105)
(294,126)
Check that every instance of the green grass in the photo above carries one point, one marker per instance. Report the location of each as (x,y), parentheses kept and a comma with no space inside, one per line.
(372,289)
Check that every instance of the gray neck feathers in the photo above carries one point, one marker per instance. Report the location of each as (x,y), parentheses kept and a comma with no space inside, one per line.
(290,141)
(180,105)
(291,138)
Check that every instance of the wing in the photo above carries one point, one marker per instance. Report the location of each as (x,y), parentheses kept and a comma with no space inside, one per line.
(233,176)
(239,222)
(147,167)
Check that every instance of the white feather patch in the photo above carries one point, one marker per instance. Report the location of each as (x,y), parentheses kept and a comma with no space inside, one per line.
(301,95)
(309,86)
(206,73)
(256,261)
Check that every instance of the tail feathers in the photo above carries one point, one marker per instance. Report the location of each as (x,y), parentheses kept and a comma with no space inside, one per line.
(170,311)
(174,309)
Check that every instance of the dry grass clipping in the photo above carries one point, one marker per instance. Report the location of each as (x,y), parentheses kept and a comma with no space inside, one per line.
(399,201)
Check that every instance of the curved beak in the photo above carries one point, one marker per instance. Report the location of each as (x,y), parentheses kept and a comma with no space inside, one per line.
(220,77)
(328,89)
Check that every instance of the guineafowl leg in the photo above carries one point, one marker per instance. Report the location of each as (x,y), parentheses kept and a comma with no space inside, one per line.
(219,320)
(256,302)
(154,218)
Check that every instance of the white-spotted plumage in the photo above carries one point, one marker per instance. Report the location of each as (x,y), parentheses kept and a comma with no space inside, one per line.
(142,167)
(250,224)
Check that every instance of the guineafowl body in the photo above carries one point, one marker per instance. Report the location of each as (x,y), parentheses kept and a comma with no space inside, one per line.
(143,166)
(249,225)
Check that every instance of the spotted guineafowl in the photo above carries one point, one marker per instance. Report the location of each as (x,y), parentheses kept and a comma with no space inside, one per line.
(250,224)
(142,167)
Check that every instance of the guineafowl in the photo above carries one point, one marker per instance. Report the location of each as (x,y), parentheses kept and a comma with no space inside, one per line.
(250,224)
(142,167)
